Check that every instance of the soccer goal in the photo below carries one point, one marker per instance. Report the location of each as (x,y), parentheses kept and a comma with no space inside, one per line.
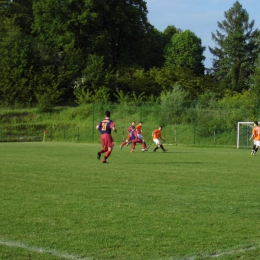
(244,131)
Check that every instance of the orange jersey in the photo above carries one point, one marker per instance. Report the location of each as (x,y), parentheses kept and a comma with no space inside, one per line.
(156,134)
(138,129)
(256,133)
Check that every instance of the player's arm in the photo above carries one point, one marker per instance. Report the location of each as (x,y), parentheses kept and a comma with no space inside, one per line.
(114,129)
(163,139)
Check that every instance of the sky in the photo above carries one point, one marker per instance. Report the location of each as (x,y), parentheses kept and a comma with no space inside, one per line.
(199,16)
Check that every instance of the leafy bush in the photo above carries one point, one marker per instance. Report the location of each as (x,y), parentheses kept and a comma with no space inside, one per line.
(172,104)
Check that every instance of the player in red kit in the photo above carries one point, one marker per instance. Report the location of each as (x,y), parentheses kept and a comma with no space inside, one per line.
(130,129)
(105,127)
(135,139)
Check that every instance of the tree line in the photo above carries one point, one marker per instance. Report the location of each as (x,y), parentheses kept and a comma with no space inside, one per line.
(82,51)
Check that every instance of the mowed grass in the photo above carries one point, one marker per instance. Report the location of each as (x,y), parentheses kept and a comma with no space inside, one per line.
(59,202)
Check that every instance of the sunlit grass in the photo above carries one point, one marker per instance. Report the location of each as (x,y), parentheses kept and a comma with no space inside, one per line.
(188,203)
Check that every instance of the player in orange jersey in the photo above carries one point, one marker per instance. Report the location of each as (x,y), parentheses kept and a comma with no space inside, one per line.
(139,131)
(256,136)
(157,138)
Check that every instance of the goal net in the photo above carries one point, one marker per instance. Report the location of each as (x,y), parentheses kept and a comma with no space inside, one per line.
(244,132)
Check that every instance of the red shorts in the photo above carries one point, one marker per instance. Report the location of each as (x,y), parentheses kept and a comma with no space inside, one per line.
(107,141)
(135,141)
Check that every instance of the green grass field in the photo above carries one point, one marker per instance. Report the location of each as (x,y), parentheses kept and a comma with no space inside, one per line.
(59,202)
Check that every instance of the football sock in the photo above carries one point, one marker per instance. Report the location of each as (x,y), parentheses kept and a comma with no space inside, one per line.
(256,149)
(108,154)
(156,148)
(162,147)
(104,150)
(123,144)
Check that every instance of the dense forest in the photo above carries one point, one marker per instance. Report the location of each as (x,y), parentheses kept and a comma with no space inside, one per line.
(82,51)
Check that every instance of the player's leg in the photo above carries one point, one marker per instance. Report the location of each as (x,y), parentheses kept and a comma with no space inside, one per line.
(104,147)
(125,142)
(257,144)
(108,153)
(133,145)
(254,149)
(161,146)
(108,143)
(146,147)
(157,142)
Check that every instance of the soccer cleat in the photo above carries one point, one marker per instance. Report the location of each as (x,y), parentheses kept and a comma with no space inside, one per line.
(253,152)
(132,150)
(104,161)
(98,155)
(165,150)
(154,150)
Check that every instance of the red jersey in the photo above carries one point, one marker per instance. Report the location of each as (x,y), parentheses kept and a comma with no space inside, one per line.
(130,129)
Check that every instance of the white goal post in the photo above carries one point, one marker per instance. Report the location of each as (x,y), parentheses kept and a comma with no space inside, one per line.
(250,124)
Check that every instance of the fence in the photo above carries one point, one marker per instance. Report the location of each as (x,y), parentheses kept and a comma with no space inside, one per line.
(189,124)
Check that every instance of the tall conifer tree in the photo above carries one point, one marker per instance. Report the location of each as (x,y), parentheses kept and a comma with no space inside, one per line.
(236,49)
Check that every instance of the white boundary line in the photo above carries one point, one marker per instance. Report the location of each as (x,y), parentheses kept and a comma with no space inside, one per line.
(43,250)
(216,255)
(74,257)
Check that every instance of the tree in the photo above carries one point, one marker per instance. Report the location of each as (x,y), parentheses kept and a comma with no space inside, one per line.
(169,32)
(156,43)
(255,78)
(96,83)
(236,49)
(16,65)
(185,51)
(17,53)
(115,29)
(154,50)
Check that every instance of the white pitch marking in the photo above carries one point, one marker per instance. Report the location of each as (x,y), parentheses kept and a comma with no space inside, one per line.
(43,250)
(74,257)
(231,252)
